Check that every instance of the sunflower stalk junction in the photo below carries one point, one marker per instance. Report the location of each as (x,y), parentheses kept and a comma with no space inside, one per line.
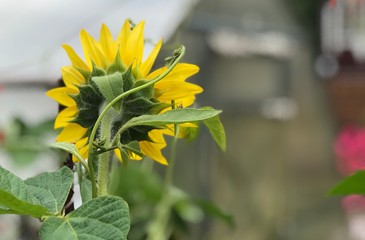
(92,151)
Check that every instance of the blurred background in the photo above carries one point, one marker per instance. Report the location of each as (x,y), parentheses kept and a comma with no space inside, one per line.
(288,75)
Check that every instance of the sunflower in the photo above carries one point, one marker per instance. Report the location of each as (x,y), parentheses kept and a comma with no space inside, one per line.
(82,101)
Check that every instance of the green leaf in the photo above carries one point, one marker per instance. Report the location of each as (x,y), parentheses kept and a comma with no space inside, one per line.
(175,116)
(216,129)
(68,147)
(17,206)
(104,218)
(110,86)
(353,184)
(15,196)
(51,189)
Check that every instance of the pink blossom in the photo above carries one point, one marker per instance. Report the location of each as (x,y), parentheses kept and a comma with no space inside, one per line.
(353,203)
(350,149)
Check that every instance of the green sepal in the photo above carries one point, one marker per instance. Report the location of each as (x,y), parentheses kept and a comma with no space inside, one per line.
(88,102)
(140,106)
(146,92)
(139,133)
(96,71)
(109,86)
(116,66)
(128,79)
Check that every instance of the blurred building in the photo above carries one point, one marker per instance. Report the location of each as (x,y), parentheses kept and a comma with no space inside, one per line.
(258,65)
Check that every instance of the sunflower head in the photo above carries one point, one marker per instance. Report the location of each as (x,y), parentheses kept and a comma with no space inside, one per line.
(113,67)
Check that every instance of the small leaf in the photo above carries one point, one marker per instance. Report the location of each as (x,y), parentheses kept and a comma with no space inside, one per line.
(133,147)
(104,218)
(68,147)
(51,189)
(175,116)
(110,86)
(216,129)
(353,184)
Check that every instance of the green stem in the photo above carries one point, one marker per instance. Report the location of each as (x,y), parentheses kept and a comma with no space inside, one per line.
(104,158)
(91,159)
(103,173)
(158,227)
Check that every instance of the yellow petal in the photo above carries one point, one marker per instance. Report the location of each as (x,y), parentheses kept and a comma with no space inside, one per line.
(75,59)
(65,116)
(180,72)
(185,102)
(118,154)
(107,43)
(174,90)
(132,156)
(123,38)
(182,129)
(134,46)
(83,148)
(147,65)
(153,149)
(62,95)
(92,50)
(71,77)
(71,133)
